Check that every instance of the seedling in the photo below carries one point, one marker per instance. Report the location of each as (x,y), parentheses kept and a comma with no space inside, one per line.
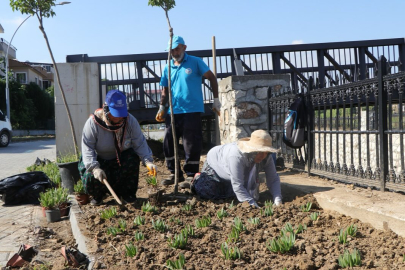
(188,230)
(288,228)
(352,230)
(234,235)
(314,216)
(222,213)
(178,241)
(139,220)
(176,220)
(108,213)
(231,205)
(300,228)
(254,221)
(151,180)
(282,244)
(268,211)
(123,225)
(159,225)
(349,259)
(342,237)
(177,264)
(238,224)
(131,250)
(306,207)
(268,204)
(148,208)
(187,207)
(230,253)
(205,221)
(139,236)
(113,231)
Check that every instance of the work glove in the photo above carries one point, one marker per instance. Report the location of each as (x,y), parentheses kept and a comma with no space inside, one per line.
(151,168)
(216,107)
(278,201)
(99,174)
(160,116)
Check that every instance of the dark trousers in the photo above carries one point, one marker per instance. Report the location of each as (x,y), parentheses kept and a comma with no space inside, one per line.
(189,129)
(122,179)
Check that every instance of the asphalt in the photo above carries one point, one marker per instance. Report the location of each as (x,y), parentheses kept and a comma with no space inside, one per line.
(383,210)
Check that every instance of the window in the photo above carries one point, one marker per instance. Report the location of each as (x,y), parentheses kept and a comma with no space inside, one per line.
(21,77)
(36,80)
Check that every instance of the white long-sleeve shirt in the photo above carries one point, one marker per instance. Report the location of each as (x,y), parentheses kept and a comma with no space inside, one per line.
(232,165)
(98,142)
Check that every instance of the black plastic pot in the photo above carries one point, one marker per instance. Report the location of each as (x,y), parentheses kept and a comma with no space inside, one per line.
(69,174)
(52,215)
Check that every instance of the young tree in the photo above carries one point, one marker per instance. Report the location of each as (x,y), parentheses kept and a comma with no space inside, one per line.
(167,5)
(43,9)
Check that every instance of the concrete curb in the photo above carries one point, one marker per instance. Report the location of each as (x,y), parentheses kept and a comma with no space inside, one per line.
(75,216)
(383,210)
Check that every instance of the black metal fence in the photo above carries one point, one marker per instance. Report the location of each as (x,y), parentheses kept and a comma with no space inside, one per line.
(356,131)
(329,64)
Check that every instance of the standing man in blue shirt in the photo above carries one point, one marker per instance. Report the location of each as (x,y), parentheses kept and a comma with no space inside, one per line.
(188,104)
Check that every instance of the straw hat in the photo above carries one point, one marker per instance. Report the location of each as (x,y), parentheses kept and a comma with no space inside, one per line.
(260,141)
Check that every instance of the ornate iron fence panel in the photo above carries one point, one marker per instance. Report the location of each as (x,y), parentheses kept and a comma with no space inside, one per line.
(329,64)
(356,131)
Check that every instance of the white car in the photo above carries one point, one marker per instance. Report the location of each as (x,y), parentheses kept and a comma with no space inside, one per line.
(5,130)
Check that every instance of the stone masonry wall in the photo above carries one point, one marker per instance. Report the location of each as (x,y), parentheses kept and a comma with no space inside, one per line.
(244,104)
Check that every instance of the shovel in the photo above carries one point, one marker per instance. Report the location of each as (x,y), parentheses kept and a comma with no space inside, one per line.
(112,191)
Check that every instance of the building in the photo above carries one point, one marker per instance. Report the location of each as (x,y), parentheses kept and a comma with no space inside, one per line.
(24,73)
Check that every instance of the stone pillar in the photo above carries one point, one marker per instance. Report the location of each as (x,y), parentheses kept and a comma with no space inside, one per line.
(244,104)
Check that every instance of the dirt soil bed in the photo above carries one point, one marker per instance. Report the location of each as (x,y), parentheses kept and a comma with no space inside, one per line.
(317,247)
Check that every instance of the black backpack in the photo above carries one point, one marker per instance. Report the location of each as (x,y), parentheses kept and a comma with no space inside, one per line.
(294,133)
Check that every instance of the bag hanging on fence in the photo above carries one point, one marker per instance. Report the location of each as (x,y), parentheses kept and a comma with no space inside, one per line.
(294,133)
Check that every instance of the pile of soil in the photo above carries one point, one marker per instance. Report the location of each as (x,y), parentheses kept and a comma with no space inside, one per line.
(317,247)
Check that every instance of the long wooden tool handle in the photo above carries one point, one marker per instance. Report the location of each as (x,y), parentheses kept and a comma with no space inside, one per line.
(112,192)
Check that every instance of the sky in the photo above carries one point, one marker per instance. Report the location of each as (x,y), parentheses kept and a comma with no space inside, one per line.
(105,27)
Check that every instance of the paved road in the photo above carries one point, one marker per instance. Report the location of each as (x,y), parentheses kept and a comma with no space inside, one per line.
(17,221)
(16,157)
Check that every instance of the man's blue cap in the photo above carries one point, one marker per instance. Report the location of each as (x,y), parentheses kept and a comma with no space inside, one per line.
(176,41)
(117,103)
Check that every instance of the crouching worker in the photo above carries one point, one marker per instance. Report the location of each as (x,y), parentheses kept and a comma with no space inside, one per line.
(112,147)
(232,170)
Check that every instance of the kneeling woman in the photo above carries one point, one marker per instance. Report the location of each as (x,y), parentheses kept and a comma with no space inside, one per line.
(112,147)
(232,170)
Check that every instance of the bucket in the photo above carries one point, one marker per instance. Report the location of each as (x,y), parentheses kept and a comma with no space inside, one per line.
(69,174)
(52,215)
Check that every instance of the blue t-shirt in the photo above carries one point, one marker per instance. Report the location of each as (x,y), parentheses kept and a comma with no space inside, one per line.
(186,82)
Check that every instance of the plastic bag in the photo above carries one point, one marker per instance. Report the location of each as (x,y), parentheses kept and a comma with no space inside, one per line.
(24,188)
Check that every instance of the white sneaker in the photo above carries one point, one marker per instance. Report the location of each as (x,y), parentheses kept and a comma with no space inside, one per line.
(278,201)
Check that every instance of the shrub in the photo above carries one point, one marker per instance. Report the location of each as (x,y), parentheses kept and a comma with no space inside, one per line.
(79,188)
(349,259)
(177,264)
(230,253)
(50,169)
